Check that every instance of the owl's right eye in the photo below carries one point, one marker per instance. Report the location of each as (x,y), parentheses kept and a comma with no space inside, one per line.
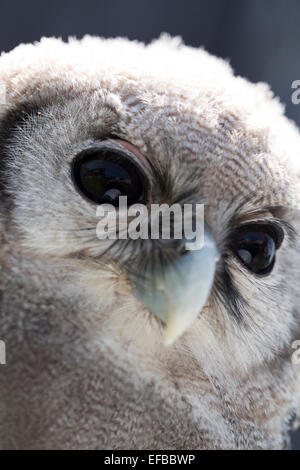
(255,246)
(103,173)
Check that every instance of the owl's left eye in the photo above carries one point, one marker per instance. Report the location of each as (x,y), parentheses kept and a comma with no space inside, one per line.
(255,246)
(105,172)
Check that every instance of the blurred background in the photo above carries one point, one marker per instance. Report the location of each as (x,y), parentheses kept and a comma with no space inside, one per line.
(261,38)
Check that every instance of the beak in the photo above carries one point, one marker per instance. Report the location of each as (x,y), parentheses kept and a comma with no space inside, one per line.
(176,293)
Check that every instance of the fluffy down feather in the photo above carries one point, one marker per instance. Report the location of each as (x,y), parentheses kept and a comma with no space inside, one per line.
(86,367)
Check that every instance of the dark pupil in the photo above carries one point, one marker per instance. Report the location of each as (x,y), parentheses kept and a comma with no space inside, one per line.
(257,251)
(103,176)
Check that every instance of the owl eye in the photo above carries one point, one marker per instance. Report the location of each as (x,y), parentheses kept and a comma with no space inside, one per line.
(255,246)
(103,173)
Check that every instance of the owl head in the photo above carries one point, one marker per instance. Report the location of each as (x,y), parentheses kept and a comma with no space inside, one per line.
(88,121)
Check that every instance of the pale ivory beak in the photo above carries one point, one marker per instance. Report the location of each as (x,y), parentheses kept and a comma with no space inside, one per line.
(177,292)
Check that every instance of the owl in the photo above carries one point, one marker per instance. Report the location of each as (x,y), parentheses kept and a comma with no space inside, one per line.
(141,343)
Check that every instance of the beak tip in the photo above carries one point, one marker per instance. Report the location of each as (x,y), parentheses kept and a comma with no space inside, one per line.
(174,329)
(168,341)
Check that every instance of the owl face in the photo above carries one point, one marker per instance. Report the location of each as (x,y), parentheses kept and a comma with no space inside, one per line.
(78,132)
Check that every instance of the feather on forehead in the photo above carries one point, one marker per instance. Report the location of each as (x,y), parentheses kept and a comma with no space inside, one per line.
(133,75)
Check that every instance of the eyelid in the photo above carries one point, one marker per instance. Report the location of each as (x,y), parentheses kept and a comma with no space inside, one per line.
(140,159)
(273,227)
(132,149)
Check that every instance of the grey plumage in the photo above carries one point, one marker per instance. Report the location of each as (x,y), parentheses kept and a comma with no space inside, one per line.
(86,366)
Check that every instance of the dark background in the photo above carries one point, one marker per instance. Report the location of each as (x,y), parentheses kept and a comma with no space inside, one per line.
(260,37)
